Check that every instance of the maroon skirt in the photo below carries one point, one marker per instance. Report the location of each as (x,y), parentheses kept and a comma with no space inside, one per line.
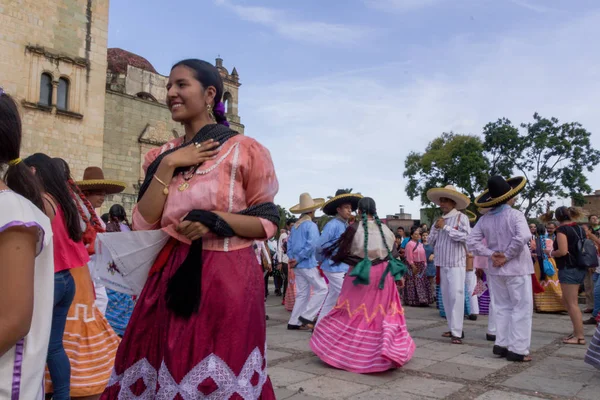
(219,352)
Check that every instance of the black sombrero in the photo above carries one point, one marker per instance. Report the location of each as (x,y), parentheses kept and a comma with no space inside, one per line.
(500,190)
(341,197)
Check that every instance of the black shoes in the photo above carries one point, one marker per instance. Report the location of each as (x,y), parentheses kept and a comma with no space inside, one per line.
(590,321)
(490,338)
(500,351)
(473,317)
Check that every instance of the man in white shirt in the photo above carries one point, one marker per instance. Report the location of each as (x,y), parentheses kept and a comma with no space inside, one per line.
(448,237)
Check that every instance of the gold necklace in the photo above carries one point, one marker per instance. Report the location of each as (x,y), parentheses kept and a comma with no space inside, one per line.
(186,184)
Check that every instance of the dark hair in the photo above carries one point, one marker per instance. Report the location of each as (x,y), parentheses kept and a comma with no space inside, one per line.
(117,215)
(208,75)
(400,227)
(367,206)
(414,229)
(541,229)
(53,181)
(18,177)
(104,217)
(592,215)
(568,213)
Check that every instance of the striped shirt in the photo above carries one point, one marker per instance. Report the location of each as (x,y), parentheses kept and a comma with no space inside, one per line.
(450,241)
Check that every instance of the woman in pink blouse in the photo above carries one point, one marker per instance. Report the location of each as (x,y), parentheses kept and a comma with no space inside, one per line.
(198,329)
(417,287)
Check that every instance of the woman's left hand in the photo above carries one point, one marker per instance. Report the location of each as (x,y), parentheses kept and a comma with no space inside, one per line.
(192,230)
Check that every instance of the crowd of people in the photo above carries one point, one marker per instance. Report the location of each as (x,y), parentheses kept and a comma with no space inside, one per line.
(198,326)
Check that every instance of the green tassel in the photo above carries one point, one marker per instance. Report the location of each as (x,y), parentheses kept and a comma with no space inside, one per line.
(361,272)
(394,267)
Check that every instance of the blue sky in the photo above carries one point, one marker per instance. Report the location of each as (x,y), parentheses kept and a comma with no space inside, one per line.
(341,91)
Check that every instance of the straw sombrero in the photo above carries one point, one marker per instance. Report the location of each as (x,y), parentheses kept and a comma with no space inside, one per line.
(307,204)
(341,197)
(434,195)
(500,190)
(472,216)
(93,180)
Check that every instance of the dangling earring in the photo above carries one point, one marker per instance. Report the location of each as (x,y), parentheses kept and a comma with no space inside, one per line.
(211,115)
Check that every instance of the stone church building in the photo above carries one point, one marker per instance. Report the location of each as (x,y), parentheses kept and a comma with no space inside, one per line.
(80,100)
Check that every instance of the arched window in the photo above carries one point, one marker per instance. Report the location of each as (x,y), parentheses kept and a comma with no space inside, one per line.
(228,103)
(46,90)
(62,101)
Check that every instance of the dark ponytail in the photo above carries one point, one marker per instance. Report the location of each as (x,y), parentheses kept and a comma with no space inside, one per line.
(208,75)
(18,177)
(53,181)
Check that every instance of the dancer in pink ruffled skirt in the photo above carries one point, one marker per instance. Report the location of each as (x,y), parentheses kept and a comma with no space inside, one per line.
(366,331)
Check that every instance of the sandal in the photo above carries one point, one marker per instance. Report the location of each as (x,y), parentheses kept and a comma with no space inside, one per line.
(447,334)
(456,340)
(573,340)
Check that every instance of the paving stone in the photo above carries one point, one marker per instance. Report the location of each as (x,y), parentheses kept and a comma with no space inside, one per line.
(329,388)
(477,360)
(274,355)
(281,377)
(577,352)
(312,365)
(283,394)
(302,396)
(424,387)
(386,394)
(461,371)
(501,395)
(417,364)
(375,379)
(565,369)
(589,392)
(298,345)
(541,384)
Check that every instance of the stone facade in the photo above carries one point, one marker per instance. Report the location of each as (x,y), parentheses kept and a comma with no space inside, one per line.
(81,101)
(592,203)
(54,65)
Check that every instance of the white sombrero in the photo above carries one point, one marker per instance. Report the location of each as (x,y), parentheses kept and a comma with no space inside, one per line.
(307,204)
(434,195)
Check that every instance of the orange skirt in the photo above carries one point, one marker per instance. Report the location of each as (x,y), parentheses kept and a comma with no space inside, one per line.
(90,342)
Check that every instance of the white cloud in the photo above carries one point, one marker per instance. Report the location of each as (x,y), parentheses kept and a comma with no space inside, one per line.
(307,31)
(401,5)
(536,7)
(355,129)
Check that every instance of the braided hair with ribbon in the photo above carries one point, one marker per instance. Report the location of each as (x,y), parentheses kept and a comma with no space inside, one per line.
(340,250)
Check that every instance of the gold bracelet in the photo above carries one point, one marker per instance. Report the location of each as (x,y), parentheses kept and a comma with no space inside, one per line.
(166,189)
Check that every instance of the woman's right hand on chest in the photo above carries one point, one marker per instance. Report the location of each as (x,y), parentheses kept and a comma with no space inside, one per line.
(194,154)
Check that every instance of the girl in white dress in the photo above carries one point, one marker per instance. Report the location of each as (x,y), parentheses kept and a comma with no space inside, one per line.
(26,270)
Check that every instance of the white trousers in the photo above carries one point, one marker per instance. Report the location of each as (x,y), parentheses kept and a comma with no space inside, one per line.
(513,309)
(336,279)
(471,281)
(307,306)
(452,283)
(491,329)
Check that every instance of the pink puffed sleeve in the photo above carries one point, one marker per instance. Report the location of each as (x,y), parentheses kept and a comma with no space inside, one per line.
(408,251)
(260,182)
(139,223)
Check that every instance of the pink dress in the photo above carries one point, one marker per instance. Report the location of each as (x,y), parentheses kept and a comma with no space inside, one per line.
(417,286)
(219,352)
(366,331)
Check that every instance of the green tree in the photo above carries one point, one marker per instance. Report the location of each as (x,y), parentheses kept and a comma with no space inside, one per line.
(450,159)
(552,156)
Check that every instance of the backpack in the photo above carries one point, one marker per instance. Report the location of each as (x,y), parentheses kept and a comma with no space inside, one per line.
(586,256)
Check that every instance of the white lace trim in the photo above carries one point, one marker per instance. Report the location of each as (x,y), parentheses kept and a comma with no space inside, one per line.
(234,167)
(212,366)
